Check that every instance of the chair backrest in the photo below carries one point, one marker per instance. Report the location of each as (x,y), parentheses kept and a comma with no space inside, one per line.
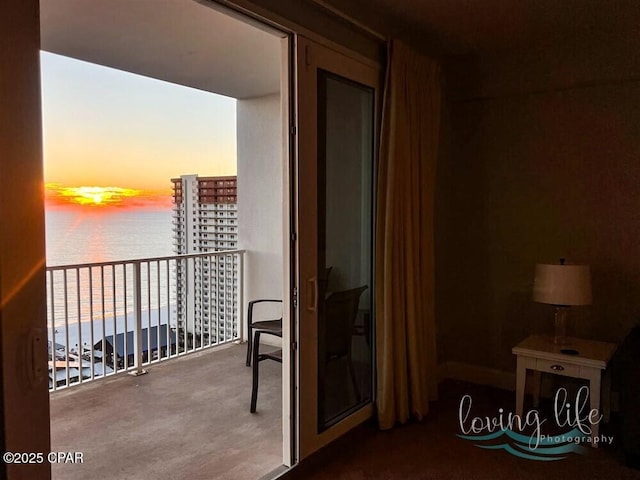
(323,281)
(340,312)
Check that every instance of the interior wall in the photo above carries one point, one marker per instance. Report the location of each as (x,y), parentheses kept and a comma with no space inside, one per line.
(540,159)
(260,212)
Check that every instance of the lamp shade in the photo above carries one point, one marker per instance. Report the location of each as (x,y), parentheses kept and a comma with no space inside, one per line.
(562,284)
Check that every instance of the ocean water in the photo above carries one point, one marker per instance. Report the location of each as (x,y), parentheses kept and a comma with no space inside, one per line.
(93,235)
(89,302)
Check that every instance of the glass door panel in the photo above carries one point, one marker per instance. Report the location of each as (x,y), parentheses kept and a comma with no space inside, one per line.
(345,165)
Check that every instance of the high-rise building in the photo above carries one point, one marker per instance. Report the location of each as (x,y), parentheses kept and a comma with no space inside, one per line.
(205,219)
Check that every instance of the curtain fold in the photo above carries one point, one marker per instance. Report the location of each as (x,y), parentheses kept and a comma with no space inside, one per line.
(406,346)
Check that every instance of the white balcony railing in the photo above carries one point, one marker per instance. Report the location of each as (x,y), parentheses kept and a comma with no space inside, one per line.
(111,317)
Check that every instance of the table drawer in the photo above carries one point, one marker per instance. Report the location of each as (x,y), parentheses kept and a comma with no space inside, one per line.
(560,368)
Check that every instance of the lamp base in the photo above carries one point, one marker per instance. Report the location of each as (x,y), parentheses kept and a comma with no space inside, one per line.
(560,326)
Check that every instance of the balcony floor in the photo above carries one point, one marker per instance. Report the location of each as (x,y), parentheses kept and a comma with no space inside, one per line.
(187,418)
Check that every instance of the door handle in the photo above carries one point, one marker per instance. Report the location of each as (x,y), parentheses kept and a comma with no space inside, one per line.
(37,356)
(313,283)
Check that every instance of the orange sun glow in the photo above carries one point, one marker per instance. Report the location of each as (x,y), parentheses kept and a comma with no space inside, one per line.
(92,196)
(58,195)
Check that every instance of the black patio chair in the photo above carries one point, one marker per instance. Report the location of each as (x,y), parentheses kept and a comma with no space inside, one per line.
(337,323)
(266,325)
(275,355)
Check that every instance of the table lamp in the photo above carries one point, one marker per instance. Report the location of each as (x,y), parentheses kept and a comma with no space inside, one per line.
(562,286)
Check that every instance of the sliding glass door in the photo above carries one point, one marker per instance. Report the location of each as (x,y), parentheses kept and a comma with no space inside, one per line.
(337,100)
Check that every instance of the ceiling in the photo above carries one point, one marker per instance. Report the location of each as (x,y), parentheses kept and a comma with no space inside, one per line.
(189,43)
(179,41)
(460,27)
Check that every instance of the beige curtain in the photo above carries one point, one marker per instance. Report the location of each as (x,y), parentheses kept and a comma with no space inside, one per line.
(406,354)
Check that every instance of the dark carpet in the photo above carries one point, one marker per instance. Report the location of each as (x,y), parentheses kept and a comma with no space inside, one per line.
(432,450)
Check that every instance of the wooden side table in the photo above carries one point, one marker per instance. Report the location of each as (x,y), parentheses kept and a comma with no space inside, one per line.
(540,354)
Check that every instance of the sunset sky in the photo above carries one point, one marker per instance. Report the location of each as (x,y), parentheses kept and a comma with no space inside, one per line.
(115,138)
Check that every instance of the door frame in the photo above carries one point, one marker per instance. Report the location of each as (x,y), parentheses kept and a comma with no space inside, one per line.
(22,89)
(23,336)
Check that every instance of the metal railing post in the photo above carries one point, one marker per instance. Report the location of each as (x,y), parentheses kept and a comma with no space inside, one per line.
(137,313)
(239,306)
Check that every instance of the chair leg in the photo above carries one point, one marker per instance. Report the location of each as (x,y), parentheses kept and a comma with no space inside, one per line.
(254,387)
(354,381)
(249,344)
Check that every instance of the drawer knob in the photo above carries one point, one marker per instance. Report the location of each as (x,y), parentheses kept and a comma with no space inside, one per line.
(557,368)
